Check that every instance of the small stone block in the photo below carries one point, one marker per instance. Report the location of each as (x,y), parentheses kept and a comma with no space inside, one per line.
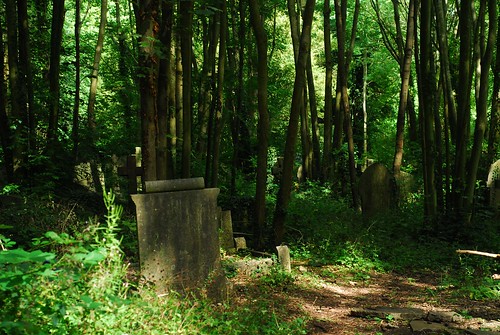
(240,242)
(426,326)
(284,257)
(443,316)
(155,186)
(226,232)
(480,332)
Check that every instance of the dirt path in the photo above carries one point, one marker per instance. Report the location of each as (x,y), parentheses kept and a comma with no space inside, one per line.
(328,299)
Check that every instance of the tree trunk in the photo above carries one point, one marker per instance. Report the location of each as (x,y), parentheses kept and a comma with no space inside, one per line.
(263,125)
(426,88)
(300,81)
(26,74)
(463,105)
(54,71)
(94,159)
(186,34)
(147,29)
(16,82)
(405,70)
(342,73)
(316,153)
(5,133)
(444,61)
(327,136)
(219,104)
(75,136)
(494,134)
(164,83)
(481,109)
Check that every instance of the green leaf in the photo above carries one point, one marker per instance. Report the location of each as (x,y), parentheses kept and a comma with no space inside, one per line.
(20,255)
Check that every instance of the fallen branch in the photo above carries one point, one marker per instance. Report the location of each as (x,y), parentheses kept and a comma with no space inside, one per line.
(480,253)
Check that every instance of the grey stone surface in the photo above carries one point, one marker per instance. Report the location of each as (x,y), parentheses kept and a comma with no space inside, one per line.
(251,266)
(226,231)
(419,326)
(174,185)
(397,313)
(179,241)
(444,316)
(481,332)
(284,257)
(376,190)
(240,243)
(493,183)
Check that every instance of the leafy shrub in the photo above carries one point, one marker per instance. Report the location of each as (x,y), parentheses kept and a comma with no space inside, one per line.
(78,285)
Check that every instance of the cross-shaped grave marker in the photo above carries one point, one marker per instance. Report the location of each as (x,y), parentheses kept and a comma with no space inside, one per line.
(131,171)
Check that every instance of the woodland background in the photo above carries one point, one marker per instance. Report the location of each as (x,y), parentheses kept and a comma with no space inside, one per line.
(220,89)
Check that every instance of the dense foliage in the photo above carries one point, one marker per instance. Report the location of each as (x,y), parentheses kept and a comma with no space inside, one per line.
(227,89)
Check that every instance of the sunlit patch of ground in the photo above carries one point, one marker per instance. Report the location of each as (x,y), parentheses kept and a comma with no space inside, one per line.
(327,297)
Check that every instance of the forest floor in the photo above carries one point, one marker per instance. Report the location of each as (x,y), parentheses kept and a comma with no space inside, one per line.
(328,298)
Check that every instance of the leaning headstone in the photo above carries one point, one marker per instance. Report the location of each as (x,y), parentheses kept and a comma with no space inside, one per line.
(375,190)
(284,257)
(240,243)
(494,185)
(179,241)
(226,231)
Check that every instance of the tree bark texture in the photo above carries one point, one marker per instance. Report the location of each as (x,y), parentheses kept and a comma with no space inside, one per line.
(427,90)
(148,29)
(186,35)
(481,108)
(5,133)
(283,198)
(405,66)
(91,121)
(54,71)
(257,23)
(328,113)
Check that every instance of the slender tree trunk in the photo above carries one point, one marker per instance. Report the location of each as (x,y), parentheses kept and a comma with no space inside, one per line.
(148,28)
(257,23)
(238,119)
(75,136)
(403,93)
(481,109)
(494,134)
(342,73)
(164,83)
(54,71)
(442,36)
(178,99)
(463,105)
(15,81)
(5,133)
(219,117)
(300,81)
(316,154)
(426,88)
(328,115)
(26,71)
(186,34)
(94,160)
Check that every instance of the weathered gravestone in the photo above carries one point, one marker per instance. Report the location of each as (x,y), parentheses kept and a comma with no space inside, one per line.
(494,185)
(178,237)
(376,190)
(226,231)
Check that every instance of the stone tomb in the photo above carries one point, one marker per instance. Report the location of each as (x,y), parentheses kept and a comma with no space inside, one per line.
(177,224)
(493,184)
(376,190)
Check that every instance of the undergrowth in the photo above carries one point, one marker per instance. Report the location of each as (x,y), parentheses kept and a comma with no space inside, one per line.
(323,230)
(79,284)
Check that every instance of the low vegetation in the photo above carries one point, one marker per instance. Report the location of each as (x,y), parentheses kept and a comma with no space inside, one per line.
(77,277)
